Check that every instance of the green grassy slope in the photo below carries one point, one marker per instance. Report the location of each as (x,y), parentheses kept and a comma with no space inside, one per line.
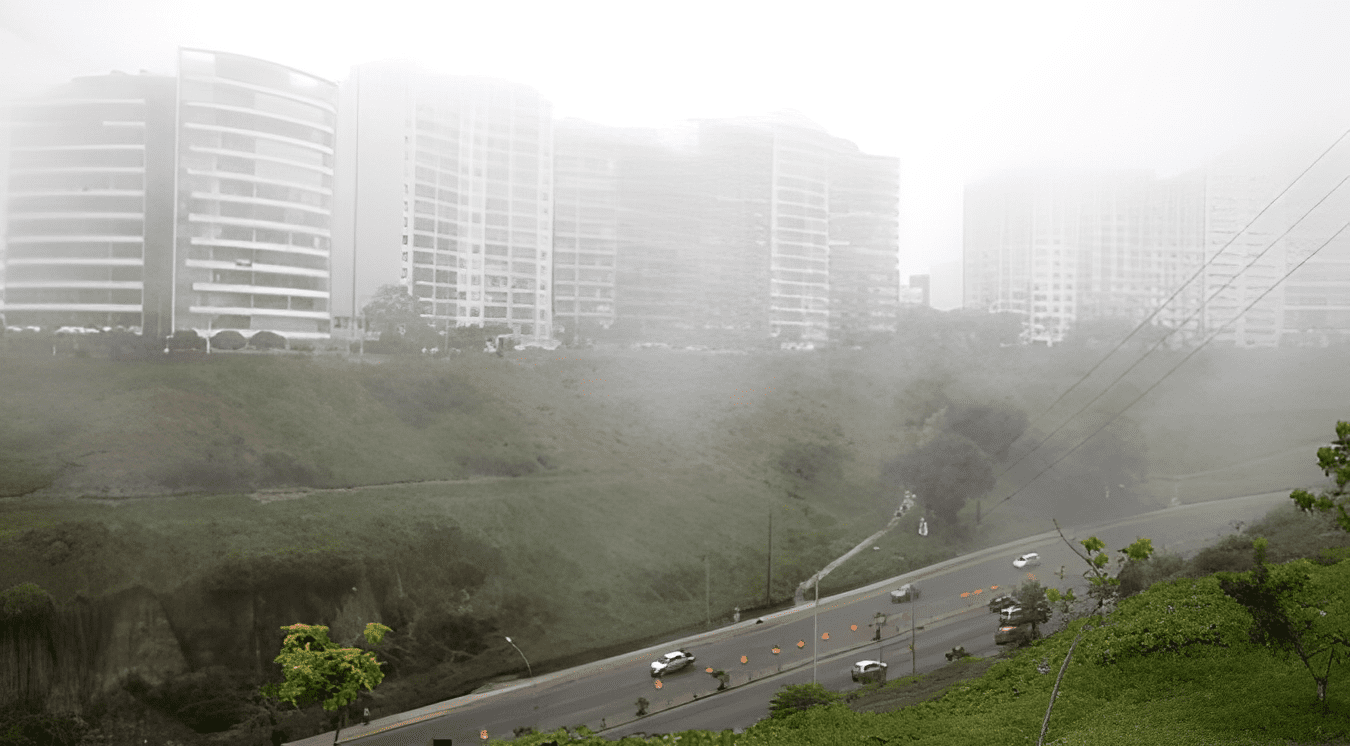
(567,498)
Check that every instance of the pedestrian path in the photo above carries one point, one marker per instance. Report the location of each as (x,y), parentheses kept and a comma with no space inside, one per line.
(906,504)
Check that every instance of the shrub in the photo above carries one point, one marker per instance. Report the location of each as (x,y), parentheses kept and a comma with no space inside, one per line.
(267,341)
(1137,576)
(185,339)
(1182,616)
(1232,553)
(25,600)
(228,340)
(798,698)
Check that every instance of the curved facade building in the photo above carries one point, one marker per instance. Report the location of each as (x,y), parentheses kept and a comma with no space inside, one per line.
(198,202)
(255,193)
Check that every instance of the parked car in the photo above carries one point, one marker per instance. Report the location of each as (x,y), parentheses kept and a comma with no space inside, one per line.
(999,603)
(869,671)
(906,592)
(1030,559)
(671,662)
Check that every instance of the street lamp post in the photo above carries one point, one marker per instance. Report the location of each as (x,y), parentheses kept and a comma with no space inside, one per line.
(815,631)
(522,655)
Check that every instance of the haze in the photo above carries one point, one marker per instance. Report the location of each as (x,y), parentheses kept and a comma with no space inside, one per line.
(955,91)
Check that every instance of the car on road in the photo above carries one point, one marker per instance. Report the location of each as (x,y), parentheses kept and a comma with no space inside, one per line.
(999,603)
(1016,634)
(869,671)
(1017,615)
(906,592)
(671,662)
(1030,559)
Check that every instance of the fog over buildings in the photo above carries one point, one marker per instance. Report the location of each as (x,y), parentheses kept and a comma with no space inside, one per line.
(682,167)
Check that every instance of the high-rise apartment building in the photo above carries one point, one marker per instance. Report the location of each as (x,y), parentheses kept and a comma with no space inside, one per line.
(745,229)
(255,185)
(449,193)
(585,228)
(90,205)
(201,202)
(1060,247)
(1254,240)
(864,275)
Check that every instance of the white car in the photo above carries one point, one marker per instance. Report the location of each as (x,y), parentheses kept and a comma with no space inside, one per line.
(906,592)
(1030,559)
(869,670)
(672,662)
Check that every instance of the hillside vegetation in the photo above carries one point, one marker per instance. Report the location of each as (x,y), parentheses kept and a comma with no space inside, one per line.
(569,499)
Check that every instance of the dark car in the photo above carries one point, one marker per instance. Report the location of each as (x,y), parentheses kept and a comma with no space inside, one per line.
(999,603)
(1020,634)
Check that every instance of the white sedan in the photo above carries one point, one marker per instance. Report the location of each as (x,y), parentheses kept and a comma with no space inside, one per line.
(869,670)
(1030,559)
(672,662)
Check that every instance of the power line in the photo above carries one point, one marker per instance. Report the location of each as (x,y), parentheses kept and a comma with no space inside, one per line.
(1158,343)
(1191,354)
(1170,298)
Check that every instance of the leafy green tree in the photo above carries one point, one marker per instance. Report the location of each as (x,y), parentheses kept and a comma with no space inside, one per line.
(799,697)
(1103,587)
(316,669)
(392,307)
(944,473)
(1297,607)
(1032,597)
(1334,461)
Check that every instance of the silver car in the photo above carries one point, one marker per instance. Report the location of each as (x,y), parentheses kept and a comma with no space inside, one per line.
(906,592)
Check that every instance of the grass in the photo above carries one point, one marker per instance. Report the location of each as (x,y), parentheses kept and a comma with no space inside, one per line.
(564,494)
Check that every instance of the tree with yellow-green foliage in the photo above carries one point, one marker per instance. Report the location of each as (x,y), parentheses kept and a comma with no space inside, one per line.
(316,669)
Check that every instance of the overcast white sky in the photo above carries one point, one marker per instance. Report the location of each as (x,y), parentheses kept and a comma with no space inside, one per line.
(956,90)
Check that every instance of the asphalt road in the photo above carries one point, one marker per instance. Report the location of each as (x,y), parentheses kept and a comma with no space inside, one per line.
(952,610)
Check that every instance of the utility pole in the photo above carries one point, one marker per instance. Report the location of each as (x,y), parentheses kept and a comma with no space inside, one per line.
(768,584)
(913,661)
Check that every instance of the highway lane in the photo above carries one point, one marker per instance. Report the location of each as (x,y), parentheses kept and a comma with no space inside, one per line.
(952,609)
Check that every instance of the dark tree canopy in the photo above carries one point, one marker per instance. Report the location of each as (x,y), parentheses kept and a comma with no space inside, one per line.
(993,427)
(944,473)
(393,306)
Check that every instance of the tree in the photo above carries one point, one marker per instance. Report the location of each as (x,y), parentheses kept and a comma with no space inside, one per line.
(1334,461)
(1297,607)
(799,697)
(316,669)
(992,427)
(228,340)
(266,340)
(944,473)
(392,307)
(1032,597)
(185,339)
(1102,587)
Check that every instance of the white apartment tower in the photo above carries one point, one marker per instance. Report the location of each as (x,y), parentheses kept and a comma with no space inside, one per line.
(447,191)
